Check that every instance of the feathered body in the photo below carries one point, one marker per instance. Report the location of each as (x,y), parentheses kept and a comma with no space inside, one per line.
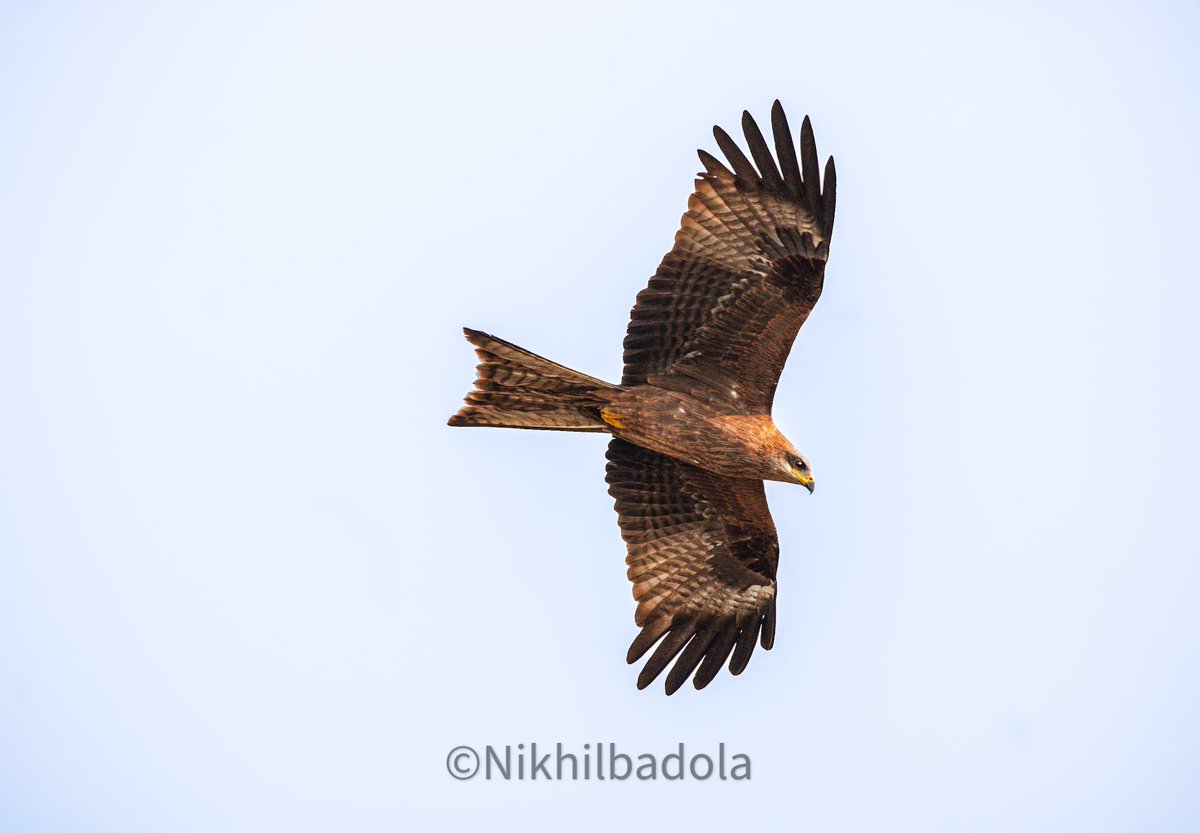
(693,436)
(706,433)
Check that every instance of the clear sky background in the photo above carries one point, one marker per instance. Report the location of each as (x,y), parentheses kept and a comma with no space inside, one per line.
(250,581)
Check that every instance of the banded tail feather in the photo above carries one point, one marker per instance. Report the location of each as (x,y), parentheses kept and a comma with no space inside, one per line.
(515,388)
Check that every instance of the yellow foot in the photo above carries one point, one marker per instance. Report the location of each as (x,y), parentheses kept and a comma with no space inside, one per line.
(612,419)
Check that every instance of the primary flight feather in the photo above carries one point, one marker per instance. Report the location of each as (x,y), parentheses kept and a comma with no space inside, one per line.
(693,439)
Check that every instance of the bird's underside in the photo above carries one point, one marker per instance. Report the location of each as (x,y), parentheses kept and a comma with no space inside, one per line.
(693,438)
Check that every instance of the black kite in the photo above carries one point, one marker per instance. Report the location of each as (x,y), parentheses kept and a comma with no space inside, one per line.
(693,438)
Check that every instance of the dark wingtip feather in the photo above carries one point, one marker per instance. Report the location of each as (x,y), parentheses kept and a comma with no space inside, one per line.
(716,655)
(673,681)
(810,164)
(690,658)
(829,198)
(651,633)
(760,152)
(744,649)
(741,165)
(785,148)
(712,164)
(664,653)
(767,636)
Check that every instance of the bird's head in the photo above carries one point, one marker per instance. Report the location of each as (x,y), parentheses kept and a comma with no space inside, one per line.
(799,470)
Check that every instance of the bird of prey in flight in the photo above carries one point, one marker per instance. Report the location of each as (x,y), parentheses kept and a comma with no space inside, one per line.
(692,434)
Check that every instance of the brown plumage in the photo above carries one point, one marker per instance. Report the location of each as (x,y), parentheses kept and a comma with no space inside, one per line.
(691,419)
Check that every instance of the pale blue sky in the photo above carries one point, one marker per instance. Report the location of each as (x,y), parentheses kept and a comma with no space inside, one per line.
(250,581)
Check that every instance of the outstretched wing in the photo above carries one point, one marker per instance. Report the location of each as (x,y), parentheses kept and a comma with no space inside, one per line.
(702,559)
(720,315)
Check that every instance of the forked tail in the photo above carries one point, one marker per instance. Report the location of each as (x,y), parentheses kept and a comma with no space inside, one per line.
(518,389)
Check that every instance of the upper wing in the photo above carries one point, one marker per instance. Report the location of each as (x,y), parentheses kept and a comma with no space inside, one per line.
(725,305)
(702,558)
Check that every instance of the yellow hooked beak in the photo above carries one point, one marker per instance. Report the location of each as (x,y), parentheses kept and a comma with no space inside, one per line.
(805,480)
